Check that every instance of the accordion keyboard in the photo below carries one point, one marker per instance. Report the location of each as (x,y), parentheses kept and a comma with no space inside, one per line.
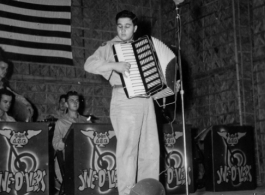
(133,82)
(144,76)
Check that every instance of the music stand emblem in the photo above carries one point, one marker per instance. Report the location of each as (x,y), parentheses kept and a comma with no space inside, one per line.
(231,139)
(18,139)
(100,139)
(170,138)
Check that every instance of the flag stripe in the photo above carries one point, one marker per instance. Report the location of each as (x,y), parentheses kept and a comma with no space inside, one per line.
(37,31)
(34,19)
(17,30)
(31,25)
(35,45)
(50,2)
(39,39)
(40,6)
(39,59)
(34,51)
(37,13)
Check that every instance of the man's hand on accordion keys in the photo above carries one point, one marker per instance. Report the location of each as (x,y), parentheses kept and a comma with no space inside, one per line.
(127,74)
(124,68)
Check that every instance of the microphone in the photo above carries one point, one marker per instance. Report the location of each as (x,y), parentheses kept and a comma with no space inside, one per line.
(178,2)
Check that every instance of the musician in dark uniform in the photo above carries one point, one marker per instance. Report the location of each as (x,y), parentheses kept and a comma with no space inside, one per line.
(22,106)
(133,120)
(6,97)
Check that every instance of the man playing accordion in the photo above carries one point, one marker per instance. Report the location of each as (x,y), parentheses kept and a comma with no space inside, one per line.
(133,120)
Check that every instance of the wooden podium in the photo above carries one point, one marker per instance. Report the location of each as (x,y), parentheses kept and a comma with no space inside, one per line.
(24,158)
(90,160)
(230,158)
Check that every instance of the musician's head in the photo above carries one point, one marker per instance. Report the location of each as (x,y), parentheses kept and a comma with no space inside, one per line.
(126,22)
(6,97)
(62,101)
(72,101)
(3,64)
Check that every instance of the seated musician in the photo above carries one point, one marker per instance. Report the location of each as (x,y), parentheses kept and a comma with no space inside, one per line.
(63,124)
(59,111)
(20,102)
(133,120)
(6,97)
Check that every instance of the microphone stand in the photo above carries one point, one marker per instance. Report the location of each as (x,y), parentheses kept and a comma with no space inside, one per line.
(178,21)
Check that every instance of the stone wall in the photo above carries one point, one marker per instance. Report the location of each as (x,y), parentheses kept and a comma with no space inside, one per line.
(259,79)
(222,52)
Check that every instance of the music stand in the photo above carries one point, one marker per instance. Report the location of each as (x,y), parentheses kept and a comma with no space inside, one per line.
(60,158)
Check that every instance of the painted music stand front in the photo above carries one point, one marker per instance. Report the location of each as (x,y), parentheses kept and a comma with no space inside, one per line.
(90,160)
(230,158)
(24,158)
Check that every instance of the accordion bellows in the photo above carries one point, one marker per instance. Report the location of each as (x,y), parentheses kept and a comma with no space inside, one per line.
(153,68)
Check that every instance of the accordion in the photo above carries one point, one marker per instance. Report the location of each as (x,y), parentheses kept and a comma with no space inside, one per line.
(153,68)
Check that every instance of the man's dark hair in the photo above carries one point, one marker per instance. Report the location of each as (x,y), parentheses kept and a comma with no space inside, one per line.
(7,92)
(127,14)
(71,93)
(3,56)
(63,96)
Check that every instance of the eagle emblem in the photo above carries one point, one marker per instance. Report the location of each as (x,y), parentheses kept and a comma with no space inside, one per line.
(19,139)
(170,138)
(100,139)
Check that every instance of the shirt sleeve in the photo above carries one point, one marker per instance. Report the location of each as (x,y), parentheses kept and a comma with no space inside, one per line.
(11,119)
(23,100)
(99,58)
(19,97)
(58,134)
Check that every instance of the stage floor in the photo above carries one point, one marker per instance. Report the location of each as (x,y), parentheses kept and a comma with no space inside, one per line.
(257,191)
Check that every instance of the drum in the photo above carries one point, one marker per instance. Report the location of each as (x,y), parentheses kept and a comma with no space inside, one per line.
(19,110)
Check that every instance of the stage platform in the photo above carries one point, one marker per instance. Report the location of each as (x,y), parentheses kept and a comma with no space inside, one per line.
(257,191)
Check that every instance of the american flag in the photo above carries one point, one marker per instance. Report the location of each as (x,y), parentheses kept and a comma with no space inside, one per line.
(36,30)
